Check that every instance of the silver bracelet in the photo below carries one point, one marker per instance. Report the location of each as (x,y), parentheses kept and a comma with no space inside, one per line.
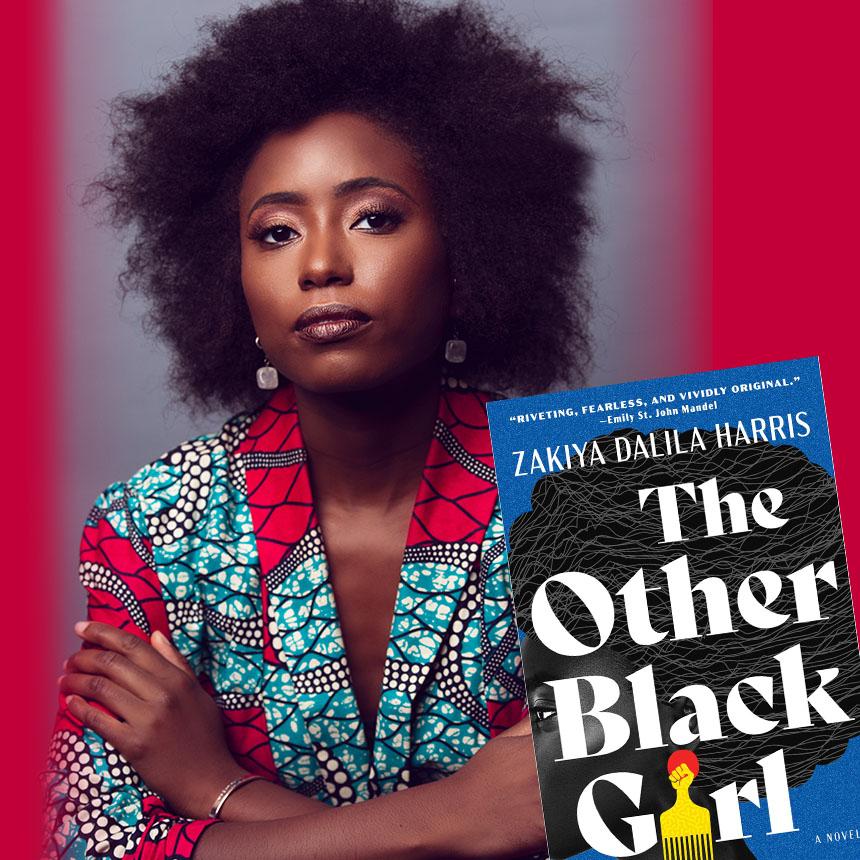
(228,790)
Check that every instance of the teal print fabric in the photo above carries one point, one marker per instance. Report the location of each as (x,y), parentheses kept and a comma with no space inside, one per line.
(217,544)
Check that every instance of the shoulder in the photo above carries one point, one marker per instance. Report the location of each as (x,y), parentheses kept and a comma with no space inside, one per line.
(462,420)
(174,490)
(463,417)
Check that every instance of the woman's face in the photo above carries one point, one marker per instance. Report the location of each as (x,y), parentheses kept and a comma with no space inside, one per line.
(343,265)
(562,781)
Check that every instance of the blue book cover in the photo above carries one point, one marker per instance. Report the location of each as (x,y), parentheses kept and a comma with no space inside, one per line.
(685,616)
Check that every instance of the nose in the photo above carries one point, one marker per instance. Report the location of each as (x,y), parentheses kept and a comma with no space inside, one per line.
(326,262)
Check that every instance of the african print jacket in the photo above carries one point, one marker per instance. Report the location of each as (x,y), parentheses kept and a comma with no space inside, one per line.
(217,544)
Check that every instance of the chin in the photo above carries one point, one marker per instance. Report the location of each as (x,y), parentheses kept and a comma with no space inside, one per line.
(342,380)
(352,373)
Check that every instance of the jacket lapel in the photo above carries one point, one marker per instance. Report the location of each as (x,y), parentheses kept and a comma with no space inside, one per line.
(303,643)
(439,575)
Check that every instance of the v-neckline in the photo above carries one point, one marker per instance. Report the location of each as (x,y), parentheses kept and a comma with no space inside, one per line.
(303,633)
(369,737)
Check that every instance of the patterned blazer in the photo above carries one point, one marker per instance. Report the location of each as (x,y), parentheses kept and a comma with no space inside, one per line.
(217,544)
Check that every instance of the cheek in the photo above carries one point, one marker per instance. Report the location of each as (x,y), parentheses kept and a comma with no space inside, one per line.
(417,289)
(253,286)
(263,283)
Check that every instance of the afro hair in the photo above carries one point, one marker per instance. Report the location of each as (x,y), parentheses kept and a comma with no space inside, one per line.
(494,125)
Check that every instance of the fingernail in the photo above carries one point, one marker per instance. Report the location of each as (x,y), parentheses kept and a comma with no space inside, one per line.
(80,627)
(60,679)
(160,637)
(65,665)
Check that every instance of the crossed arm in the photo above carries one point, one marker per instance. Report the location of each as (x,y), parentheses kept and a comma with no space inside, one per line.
(143,699)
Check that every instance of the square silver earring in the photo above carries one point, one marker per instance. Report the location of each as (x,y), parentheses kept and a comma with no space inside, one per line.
(455,351)
(267,376)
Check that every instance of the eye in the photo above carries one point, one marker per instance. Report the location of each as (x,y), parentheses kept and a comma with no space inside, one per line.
(277,234)
(378,220)
(543,713)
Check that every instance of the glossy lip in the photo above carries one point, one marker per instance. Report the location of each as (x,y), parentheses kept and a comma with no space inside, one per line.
(331,322)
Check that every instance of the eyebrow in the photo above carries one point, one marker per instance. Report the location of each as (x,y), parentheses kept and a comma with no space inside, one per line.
(340,190)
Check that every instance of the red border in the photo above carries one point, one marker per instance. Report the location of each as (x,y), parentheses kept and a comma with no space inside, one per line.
(786,181)
(29,425)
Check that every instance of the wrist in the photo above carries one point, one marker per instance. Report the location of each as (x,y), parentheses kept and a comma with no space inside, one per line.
(203,794)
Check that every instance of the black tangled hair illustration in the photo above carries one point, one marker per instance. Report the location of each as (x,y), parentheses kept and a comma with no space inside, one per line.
(493,123)
(590,520)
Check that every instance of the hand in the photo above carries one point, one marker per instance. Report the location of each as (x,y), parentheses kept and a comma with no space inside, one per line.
(681,776)
(499,796)
(160,718)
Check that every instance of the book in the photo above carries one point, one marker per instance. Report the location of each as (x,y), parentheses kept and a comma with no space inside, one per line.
(685,615)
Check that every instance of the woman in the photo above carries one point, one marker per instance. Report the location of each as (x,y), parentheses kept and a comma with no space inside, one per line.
(354,196)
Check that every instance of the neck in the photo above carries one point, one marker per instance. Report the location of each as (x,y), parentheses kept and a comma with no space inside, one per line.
(369,447)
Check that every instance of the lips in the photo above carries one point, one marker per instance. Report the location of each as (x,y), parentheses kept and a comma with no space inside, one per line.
(330,323)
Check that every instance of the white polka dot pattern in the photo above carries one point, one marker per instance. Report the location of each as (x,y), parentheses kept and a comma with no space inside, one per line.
(452,683)
(328,678)
(100,578)
(183,612)
(71,764)
(403,676)
(241,631)
(309,546)
(336,779)
(194,462)
(461,455)
(459,554)
(238,701)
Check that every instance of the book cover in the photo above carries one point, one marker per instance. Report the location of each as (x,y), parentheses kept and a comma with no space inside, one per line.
(685,615)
